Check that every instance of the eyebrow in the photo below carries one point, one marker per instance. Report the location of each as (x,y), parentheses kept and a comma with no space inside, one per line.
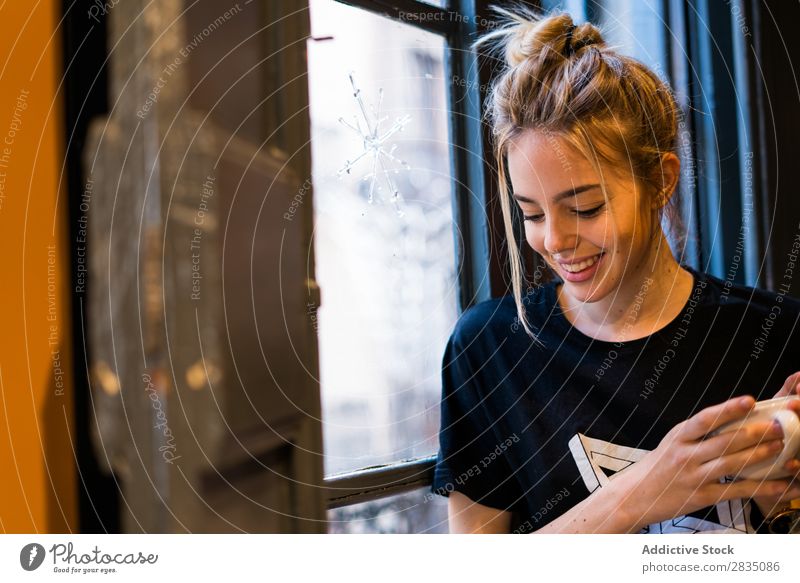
(571,192)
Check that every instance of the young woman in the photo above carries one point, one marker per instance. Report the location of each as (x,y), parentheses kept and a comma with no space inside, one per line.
(589,403)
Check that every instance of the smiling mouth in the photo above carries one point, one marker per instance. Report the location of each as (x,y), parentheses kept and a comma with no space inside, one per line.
(578,267)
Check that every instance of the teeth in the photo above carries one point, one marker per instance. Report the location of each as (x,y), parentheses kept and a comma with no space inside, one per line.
(576,267)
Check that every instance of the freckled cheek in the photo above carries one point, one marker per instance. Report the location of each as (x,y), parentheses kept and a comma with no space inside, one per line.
(535,238)
(601,233)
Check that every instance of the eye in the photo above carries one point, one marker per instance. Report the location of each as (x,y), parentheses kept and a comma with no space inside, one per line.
(533,218)
(589,212)
(586,214)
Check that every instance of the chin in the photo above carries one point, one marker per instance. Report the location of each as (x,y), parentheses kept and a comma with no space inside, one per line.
(587,294)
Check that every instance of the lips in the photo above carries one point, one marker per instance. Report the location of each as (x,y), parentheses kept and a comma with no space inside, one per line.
(577,266)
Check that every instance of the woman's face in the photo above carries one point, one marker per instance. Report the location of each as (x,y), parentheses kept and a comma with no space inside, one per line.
(592,243)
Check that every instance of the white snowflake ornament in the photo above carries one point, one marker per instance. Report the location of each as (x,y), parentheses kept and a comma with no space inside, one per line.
(375,144)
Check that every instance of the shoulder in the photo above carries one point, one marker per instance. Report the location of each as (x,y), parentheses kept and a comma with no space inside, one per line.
(487,319)
(751,306)
(727,293)
(497,320)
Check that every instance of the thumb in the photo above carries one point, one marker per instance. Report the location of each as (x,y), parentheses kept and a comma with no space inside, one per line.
(790,386)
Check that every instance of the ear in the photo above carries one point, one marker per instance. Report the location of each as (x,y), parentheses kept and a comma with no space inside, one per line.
(666,177)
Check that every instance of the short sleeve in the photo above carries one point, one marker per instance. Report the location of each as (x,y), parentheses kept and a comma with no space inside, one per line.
(473,455)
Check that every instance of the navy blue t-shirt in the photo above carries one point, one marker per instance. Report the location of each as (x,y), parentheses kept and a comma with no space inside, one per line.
(535,429)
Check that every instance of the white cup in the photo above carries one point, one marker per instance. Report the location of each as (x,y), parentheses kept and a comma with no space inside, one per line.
(772,409)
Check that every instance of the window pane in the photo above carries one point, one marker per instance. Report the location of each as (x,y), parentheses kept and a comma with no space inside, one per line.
(636,29)
(414,512)
(387,281)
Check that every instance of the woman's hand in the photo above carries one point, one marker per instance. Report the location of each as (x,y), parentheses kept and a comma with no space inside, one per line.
(683,473)
(771,504)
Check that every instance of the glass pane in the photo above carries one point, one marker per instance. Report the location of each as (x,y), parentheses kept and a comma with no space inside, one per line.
(417,512)
(386,270)
(637,29)
(439,3)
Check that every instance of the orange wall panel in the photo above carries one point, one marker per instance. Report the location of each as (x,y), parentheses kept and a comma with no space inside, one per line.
(37,467)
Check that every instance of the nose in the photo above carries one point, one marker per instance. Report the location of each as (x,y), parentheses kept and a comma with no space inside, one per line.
(559,237)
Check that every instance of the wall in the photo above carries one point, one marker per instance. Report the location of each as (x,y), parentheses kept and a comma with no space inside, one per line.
(38,486)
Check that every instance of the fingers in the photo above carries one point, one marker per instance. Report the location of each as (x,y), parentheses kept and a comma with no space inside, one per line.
(790,386)
(793,465)
(783,489)
(734,463)
(710,418)
(732,441)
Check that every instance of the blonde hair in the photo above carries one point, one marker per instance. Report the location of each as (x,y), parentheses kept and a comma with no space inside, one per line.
(563,80)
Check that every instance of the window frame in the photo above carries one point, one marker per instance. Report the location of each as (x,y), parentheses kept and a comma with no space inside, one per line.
(475,278)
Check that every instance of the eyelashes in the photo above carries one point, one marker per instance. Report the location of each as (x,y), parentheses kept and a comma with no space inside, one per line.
(586,214)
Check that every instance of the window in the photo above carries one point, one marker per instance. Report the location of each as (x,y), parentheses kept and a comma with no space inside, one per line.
(386,271)
(395,272)
(418,512)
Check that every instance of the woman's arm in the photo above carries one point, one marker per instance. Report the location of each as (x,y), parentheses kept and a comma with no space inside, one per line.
(683,474)
(468,517)
(600,512)
(680,476)
(603,511)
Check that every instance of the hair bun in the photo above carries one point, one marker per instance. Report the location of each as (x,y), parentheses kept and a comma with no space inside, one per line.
(586,35)
(556,33)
